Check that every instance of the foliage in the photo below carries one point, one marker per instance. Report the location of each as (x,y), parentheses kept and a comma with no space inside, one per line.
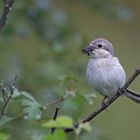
(32,110)
(41,45)
(4,136)
(60,122)
(59,134)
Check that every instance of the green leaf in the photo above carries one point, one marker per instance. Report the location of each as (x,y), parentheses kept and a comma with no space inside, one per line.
(87,96)
(4,136)
(66,78)
(61,77)
(83,126)
(62,121)
(37,132)
(5,119)
(16,93)
(70,93)
(28,95)
(32,109)
(58,135)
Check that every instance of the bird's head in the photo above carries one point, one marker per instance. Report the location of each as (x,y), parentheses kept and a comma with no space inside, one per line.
(99,48)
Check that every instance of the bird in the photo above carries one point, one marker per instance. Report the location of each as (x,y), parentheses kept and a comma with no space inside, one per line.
(104,72)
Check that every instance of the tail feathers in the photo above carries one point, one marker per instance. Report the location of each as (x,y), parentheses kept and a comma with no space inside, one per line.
(132,95)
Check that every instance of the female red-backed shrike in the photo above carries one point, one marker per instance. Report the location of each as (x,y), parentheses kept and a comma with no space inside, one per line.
(104,73)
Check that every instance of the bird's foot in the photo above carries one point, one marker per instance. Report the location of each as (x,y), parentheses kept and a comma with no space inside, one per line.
(119,92)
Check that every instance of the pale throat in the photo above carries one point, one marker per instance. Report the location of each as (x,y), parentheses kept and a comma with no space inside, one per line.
(100,54)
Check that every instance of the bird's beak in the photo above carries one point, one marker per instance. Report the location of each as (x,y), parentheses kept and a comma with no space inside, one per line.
(87,50)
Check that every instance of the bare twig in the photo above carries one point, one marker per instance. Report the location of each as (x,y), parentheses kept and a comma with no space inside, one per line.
(8,98)
(7,4)
(54,118)
(109,102)
(59,100)
(5,106)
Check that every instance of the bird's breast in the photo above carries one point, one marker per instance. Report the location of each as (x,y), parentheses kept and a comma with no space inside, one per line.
(105,75)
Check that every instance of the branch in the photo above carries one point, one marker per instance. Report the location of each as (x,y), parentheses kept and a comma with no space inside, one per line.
(109,102)
(5,106)
(7,4)
(8,98)
(54,118)
(59,100)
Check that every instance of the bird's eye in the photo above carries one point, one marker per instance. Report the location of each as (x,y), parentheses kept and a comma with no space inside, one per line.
(100,45)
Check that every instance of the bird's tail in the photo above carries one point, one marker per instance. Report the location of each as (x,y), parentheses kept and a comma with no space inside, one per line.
(132,95)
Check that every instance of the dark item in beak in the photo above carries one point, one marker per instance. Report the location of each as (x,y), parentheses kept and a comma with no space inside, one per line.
(87,50)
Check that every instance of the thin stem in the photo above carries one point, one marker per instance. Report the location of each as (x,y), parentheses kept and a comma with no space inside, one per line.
(7,4)
(59,100)
(5,106)
(8,98)
(109,102)
(54,118)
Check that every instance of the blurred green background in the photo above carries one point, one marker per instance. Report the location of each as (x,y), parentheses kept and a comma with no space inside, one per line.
(44,38)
